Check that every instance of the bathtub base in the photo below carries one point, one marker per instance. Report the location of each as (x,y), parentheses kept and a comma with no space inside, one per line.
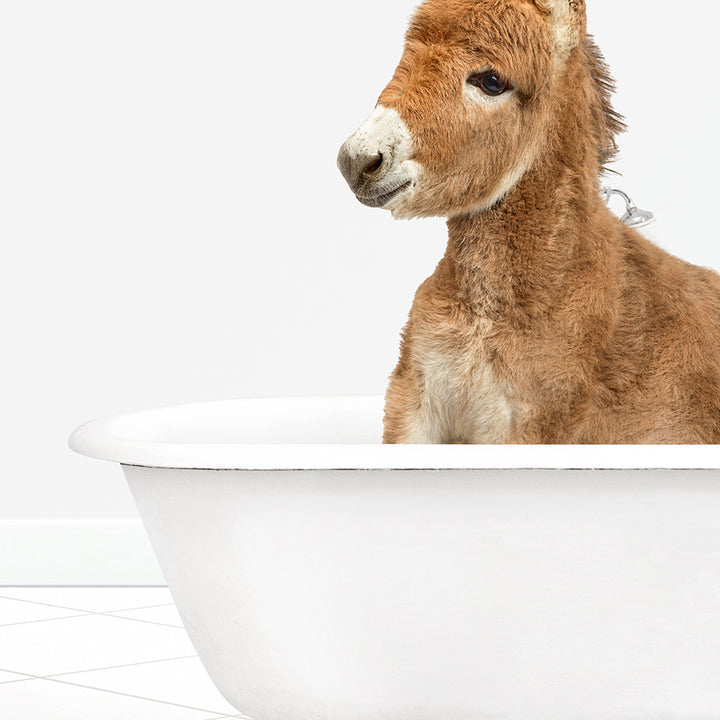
(446,595)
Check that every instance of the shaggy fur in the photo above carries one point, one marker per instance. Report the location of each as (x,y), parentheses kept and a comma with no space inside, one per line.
(547,320)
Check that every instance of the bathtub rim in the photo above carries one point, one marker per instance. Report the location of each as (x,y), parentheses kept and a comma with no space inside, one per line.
(106,438)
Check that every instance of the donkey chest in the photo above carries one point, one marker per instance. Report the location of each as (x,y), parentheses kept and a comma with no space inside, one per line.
(466,402)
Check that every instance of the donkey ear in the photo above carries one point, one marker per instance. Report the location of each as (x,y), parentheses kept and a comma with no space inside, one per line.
(568,18)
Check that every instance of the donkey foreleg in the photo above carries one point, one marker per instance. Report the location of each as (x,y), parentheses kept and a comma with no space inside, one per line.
(408,416)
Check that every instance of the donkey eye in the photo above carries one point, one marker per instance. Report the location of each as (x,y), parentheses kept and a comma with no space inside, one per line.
(489,82)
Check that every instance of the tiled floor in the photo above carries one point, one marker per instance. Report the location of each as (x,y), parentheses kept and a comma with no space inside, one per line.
(92,653)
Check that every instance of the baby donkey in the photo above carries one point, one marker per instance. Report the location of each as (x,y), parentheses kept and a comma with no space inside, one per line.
(548,320)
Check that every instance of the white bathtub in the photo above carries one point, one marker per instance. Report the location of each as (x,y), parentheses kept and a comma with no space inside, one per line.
(323,576)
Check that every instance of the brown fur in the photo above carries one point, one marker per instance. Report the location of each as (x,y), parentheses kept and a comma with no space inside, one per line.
(547,320)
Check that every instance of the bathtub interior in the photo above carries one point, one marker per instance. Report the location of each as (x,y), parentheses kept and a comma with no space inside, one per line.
(268,421)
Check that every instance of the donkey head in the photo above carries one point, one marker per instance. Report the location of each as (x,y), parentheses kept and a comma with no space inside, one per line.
(469,108)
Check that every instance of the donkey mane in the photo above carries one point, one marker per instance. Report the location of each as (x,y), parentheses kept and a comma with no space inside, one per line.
(607,121)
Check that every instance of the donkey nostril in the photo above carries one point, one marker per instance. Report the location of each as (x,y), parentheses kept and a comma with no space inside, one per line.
(374,164)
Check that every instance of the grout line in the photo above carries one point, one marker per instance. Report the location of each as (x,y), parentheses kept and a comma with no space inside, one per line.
(80,672)
(37,602)
(19,679)
(149,622)
(62,617)
(142,607)
(82,613)
(65,607)
(117,692)
(87,613)
(53,678)
(114,667)
(16,672)
(10,682)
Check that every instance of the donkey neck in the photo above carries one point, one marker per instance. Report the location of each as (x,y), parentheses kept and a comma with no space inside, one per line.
(516,259)
(510,262)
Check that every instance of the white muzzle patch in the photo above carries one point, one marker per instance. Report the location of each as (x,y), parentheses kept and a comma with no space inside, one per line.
(375,160)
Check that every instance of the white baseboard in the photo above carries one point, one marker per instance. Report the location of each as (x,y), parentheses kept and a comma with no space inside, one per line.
(76,552)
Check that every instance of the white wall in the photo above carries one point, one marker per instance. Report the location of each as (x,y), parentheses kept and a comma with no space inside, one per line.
(175,229)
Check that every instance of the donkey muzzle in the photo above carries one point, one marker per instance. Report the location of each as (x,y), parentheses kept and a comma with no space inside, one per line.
(372,160)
